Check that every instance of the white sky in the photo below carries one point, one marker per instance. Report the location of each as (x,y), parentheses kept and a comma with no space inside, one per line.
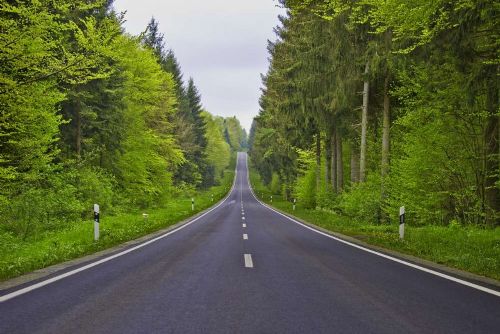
(220,43)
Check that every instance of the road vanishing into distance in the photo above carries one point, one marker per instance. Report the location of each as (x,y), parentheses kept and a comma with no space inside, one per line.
(244,268)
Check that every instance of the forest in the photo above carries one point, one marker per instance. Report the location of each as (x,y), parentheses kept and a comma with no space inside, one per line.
(91,114)
(371,105)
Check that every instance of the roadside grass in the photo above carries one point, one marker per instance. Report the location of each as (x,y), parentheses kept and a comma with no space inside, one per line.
(469,248)
(18,257)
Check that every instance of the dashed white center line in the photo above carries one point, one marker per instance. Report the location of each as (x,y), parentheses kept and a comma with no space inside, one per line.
(245,236)
(248,261)
(244,225)
(243,218)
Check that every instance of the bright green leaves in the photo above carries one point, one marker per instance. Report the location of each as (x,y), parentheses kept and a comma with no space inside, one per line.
(28,121)
(431,81)
(26,44)
(218,150)
(234,133)
(89,56)
(149,154)
(88,114)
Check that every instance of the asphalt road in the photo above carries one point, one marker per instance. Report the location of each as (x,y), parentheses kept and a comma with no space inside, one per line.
(243,268)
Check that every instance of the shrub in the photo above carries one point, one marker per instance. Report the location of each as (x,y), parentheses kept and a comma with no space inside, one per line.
(275,185)
(42,207)
(363,201)
(305,189)
(94,185)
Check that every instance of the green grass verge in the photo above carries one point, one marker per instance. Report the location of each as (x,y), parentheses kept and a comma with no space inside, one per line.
(18,257)
(468,248)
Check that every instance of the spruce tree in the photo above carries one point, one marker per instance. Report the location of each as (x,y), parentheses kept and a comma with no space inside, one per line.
(154,39)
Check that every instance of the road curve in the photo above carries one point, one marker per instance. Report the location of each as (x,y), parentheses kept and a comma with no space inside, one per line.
(243,268)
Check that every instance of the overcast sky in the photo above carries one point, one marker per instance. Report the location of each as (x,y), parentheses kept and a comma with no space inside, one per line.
(220,43)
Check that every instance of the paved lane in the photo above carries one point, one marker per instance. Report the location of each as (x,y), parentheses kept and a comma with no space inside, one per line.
(243,268)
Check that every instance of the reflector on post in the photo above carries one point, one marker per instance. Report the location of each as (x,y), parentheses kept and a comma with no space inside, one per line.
(96,222)
(401,222)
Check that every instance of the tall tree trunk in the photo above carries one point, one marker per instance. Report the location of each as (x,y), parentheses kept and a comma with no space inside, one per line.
(386,129)
(328,157)
(354,164)
(333,160)
(387,111)
(78,132)
(364,124)
(318,161)
(385,145)
(386,126)
(340,165)
(492,154)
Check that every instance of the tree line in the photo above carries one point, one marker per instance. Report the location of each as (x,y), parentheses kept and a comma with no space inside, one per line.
(371,105)
(91,114)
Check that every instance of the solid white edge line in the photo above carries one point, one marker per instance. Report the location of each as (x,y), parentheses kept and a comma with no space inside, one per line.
(430,271)
(248,260)
(109,258)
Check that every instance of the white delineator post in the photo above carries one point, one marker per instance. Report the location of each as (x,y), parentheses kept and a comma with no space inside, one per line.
(294,201)
(192,204)
(96,222)
(401,222)
(271,198)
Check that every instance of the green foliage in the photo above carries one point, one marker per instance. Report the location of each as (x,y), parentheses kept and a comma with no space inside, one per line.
(362,202)
(218,150)
(428,71)
(234,134)
(93,185)
(146,164)
(275,185)
(305,189)
(189,126)
(34,210)
(90,114)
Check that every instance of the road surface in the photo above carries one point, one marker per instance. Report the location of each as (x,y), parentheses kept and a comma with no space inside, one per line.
(243,268)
